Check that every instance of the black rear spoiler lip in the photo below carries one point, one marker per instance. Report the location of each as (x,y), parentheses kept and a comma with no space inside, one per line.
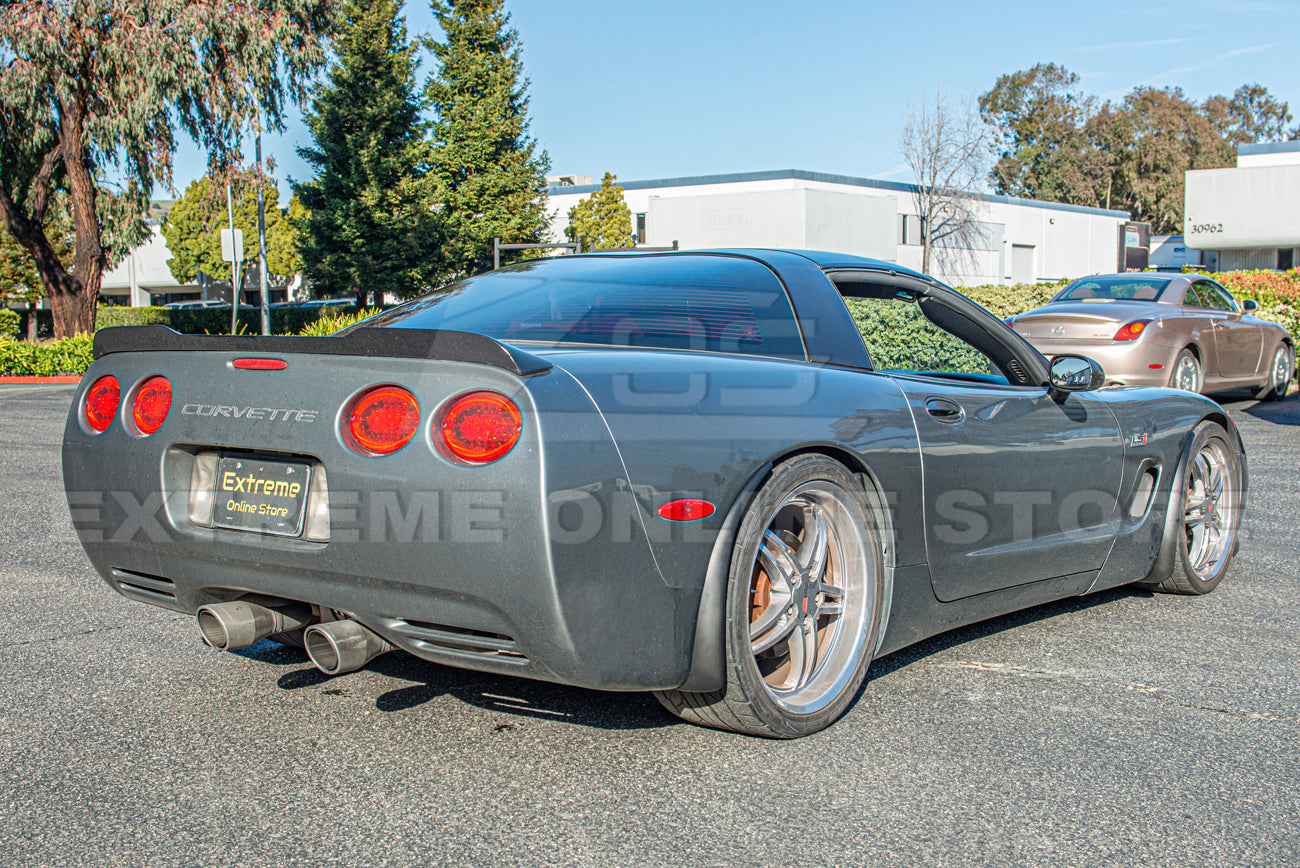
(375,343)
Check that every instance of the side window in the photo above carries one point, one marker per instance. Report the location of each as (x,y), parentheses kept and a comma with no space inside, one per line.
(1215,297)
(1192,298)
(900,338)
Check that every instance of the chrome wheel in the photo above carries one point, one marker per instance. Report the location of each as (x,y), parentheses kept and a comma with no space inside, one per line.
(1187,373)
(802,607)
(1281,371)
(809,603)
(1210,509)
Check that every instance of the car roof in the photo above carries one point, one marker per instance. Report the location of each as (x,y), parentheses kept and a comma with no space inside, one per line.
(1163,278)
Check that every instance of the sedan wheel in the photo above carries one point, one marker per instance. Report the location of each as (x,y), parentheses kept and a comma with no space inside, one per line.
(1187,373)
(803,606)
(1211,506)
(1279,376)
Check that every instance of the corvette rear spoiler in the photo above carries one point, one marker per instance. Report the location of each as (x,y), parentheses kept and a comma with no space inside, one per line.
(390,343)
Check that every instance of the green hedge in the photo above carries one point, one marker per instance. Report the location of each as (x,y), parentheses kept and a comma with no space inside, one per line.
(1276,292)
(70,356)
(9,322)
(214,320)
(895,334)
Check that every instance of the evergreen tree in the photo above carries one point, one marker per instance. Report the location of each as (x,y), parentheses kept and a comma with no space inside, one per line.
(602,219)
(368,229)
(490,175)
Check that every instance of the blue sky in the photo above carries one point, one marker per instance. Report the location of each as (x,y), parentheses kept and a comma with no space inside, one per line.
(669,88)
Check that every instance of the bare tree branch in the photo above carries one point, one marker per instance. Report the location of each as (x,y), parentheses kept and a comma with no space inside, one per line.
(946,147)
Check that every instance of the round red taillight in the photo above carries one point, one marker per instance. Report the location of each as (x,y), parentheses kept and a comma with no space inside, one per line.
(383,420)
(102,399)
(153,400)
(480,427)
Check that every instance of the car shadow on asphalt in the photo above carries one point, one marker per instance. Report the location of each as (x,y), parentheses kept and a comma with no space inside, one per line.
(983,629)
(524,698)
(1284,412)
(520,697)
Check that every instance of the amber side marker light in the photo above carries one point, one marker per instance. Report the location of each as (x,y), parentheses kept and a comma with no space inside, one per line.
(102,400)
(479,427)
(686,510)
(153,401)
(1132,331)
(381,421)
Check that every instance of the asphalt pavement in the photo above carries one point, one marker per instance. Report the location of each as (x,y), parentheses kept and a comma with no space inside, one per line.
(1120,729)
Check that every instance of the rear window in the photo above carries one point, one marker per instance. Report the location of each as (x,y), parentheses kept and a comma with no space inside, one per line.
(1119,288)
(712,303)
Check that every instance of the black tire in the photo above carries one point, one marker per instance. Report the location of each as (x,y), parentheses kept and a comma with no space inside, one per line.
(1280,370)
(1211,504)
(797,646)
(1187,373)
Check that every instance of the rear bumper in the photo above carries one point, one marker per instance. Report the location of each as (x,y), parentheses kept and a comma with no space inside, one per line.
(483,567)
(528,631)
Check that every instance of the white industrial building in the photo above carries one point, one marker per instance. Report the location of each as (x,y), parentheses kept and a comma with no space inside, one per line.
(144,273)
(143,278)
(1015,240)
(1249,216)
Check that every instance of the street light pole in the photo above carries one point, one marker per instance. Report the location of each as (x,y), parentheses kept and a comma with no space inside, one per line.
(261,240)
(238,257)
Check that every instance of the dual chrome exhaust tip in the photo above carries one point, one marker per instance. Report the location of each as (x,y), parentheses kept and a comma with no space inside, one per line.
(335,647)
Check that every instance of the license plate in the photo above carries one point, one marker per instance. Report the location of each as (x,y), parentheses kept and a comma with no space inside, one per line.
(261,496)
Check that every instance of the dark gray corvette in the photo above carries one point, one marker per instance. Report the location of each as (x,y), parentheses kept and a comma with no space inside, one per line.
(667,472)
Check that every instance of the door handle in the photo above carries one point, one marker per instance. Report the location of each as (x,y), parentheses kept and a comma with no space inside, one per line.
(945,410)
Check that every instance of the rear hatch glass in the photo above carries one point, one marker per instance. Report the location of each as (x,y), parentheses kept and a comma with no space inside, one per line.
(711,303)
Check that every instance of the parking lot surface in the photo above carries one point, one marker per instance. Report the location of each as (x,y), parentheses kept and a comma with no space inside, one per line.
(1119,729)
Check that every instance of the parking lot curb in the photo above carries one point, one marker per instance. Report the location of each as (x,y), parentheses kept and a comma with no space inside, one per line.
(35,381)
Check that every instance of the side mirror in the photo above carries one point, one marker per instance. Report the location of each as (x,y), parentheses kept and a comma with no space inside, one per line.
(1249,305)
(1071,373)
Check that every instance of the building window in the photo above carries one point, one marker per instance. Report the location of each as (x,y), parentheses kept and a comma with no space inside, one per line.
(640,229)
(909,229)
(1285,259)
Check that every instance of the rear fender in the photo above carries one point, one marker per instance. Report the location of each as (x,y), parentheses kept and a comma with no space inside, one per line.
(708,657)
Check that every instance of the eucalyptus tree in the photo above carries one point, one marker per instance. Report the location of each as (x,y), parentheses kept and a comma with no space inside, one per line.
(93,89)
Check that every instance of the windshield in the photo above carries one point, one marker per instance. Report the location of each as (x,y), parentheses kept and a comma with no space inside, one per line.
(1122,287)
(679,301)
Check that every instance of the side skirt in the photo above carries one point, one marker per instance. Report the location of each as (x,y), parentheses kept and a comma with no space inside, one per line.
(918,615)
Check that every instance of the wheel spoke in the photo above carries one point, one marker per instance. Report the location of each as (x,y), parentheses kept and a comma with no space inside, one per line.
(1194,511)
(780,562)
(778,603)
(816,543)
(803,655)
(758,643)
(832,601)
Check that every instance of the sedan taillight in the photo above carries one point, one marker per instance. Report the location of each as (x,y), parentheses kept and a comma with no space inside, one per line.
(1131,331)
(102,399)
